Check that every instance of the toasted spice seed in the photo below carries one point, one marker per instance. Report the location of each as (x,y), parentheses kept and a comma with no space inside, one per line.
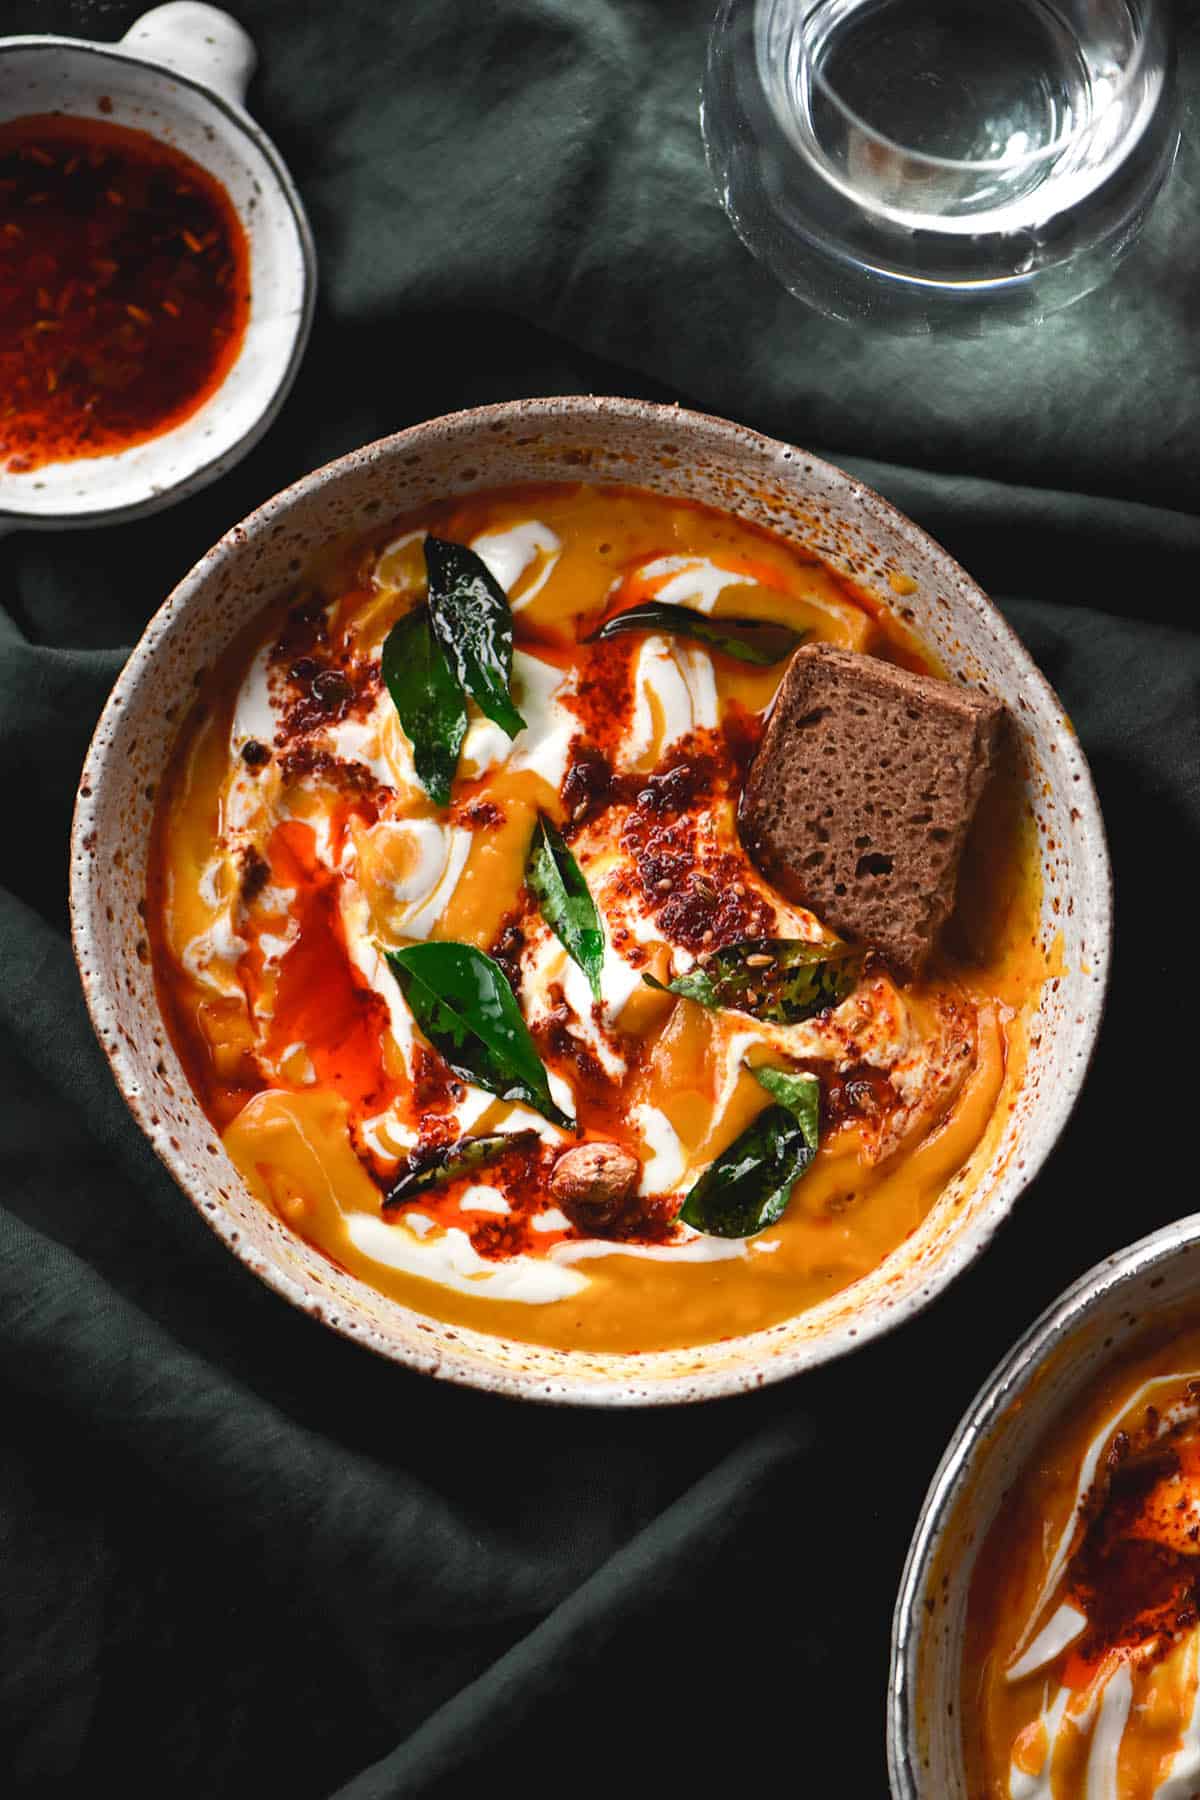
(707,937)
(331,689)
(256,873)
(704,888)
(137,312)
(753,996)
(760,962)
(665,885)
(169,306)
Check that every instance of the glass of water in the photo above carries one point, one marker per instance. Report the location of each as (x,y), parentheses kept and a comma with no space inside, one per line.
(931,163)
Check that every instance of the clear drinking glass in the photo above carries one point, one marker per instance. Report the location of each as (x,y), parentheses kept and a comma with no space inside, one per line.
(933,162)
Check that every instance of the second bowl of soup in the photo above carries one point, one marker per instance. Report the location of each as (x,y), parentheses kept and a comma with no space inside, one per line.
(1047,1637)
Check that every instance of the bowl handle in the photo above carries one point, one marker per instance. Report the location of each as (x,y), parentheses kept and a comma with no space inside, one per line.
(198,41)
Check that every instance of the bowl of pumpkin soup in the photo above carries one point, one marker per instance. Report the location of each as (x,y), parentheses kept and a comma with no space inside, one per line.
(602,907)
(1046,1642)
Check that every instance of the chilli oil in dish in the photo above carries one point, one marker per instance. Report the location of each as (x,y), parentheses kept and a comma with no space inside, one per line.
(124,288)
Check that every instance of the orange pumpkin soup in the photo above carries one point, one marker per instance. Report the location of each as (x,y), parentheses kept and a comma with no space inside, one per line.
(464,957)
(1081,1676)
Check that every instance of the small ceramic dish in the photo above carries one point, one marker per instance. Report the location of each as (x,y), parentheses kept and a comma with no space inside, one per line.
(1044,1376)
(180,73)
(669,452)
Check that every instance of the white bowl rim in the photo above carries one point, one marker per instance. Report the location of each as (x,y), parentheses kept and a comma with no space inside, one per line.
(446,1364)
(199,476)
(1012,1376)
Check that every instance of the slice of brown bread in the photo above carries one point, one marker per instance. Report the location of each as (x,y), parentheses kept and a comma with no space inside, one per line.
(859,800)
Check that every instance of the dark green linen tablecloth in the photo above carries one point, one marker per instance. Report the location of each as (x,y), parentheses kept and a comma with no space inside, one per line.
(239,1556)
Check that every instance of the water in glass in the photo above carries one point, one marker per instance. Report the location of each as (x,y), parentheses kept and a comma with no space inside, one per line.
(924,161)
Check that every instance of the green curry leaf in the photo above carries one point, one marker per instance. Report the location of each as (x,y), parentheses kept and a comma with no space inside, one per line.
(472,621)
(561,890)
(749,1185)
(758,641)
(463,1003)
(782,980)
(799,1091)
(428,699)
(425,1169)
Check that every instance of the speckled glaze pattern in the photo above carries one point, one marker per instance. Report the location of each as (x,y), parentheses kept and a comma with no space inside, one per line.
(180,74)
(1096,1321)
(671,452)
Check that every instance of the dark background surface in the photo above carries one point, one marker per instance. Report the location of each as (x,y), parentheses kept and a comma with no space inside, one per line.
(238,1555)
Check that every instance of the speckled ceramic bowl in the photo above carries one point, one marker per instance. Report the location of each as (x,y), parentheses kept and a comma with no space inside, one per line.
(1096,1321)
(673,453)
(179,73)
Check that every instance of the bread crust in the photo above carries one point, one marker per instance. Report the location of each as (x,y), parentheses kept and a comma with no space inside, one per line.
(859,800)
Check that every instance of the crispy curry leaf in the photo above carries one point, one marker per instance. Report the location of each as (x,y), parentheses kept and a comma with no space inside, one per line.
(749,1185)
(558,884)
(472,621)
(424,1169)
(799,1091)
(462,1002)
(782,980)
(759,641)
(428,699)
